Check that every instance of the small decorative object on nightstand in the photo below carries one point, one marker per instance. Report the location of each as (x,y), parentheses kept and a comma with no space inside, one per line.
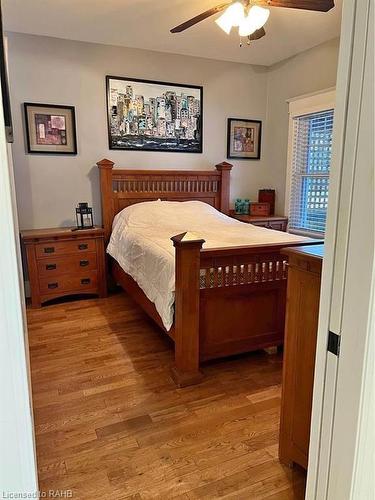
(241,206)
(63,262)
(84,217)
(268,196)
(257,208)
(277,222)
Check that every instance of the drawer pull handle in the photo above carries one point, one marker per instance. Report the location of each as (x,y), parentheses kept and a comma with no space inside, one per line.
(83,246)
(50,267)
(83,263)
(49,249)
(52,285)
(85,281)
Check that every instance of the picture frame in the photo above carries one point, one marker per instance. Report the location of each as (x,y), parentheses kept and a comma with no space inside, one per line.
(151,115)
(244,138)
(50,129)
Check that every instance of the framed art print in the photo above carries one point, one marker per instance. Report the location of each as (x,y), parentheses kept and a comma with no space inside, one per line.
(146,115)
(244,139)
(50,129)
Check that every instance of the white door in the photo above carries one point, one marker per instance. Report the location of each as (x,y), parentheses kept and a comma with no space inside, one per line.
(341,465)
(18,474)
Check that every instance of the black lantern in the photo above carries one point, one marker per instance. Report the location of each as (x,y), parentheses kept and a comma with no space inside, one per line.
(84,217)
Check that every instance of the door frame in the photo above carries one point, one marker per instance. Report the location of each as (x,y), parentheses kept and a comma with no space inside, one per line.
(340,393)
(18,471)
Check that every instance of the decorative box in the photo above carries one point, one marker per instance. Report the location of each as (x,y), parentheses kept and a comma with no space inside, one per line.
(268,196)
(259,208)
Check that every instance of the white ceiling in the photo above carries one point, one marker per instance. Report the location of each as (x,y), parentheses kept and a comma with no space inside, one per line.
(146,23)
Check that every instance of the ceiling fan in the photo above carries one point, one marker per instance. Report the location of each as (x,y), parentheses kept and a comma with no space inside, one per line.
(250,15)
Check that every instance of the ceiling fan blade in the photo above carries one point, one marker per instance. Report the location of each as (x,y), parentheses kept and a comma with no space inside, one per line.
(257,34)
(318,5)
(201,17)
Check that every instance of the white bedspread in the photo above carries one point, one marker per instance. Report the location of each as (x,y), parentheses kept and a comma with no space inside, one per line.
(140,243)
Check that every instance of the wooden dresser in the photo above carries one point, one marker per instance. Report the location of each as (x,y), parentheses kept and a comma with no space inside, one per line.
(64,262)
(303,294)
(277,222)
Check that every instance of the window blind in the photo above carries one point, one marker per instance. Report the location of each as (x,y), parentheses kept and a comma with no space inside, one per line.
(311,161)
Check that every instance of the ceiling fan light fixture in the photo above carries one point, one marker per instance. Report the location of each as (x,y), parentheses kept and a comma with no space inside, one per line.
(232,16)
(256,19)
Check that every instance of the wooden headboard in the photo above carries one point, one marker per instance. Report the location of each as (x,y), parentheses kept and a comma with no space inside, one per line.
(121,188)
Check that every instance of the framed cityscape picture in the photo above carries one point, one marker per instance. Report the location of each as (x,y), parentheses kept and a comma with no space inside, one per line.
(145,115)
(50,129)
(244,139)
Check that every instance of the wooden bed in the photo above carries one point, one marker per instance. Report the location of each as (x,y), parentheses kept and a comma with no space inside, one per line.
(227,300)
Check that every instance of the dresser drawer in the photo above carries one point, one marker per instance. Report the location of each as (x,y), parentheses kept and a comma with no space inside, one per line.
(68,283)
(69,264)
(64,247)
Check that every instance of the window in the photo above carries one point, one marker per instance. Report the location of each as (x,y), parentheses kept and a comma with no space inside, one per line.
(309,162)
(312,145)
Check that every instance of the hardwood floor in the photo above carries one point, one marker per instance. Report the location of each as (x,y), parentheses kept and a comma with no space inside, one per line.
(110,423)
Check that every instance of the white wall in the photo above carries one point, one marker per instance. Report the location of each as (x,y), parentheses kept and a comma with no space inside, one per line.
(59,71)
(65,72)
(307,72)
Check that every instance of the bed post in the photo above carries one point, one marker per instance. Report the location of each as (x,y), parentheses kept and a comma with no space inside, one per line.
(105,169)
(186,369)
(224,168)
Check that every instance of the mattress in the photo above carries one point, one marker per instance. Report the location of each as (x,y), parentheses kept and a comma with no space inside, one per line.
(141,243)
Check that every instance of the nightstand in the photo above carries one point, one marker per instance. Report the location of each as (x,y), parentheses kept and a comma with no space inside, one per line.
(63,262)
(277,222)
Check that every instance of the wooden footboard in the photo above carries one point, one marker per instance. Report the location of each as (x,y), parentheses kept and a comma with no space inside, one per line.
(242,301)
(228,301)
